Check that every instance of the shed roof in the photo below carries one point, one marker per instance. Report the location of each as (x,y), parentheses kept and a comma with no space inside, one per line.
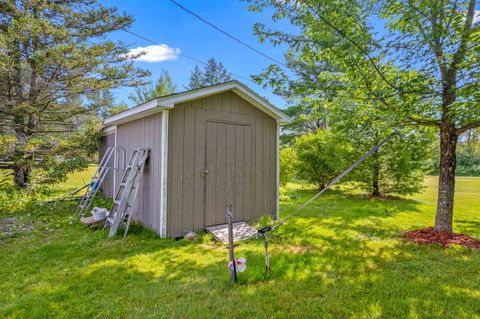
(169,101)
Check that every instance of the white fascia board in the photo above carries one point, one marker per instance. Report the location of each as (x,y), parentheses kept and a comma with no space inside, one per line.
(109,129)
(235,86)
(168,102)
(134,113)
(262,104)
(277,175)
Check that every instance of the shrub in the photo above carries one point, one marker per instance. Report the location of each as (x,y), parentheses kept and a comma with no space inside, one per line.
(321,157)
(288,158)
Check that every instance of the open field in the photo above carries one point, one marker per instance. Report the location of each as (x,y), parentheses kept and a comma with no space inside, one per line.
(341,258)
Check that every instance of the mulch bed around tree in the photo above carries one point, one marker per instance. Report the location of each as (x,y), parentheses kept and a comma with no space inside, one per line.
(430,236)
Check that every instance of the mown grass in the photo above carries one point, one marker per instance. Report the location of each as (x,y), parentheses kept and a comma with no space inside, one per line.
(341,258)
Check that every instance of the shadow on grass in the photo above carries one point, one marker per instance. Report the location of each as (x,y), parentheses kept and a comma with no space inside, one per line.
(349,204)
(380,277)
(468,226)
(337,260)
(340,274)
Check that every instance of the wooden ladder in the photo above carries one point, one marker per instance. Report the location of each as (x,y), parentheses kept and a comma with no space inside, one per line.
(122,207)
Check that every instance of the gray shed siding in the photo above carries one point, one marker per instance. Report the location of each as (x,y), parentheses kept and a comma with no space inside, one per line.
(145,132)
(188,139)
(107,185)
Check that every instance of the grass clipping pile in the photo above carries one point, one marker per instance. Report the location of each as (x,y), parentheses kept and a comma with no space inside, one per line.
(431,236)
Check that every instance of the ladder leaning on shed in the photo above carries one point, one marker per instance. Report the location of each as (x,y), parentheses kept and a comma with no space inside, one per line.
(99,177)
(122,207)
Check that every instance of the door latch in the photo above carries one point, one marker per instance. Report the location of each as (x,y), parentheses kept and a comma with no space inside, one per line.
(204,172)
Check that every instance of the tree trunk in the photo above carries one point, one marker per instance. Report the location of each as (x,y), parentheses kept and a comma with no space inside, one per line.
(446,182)
(21,176)
(376,173)
(375,187)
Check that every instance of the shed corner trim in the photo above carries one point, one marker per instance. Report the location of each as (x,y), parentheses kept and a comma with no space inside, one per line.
(164,175)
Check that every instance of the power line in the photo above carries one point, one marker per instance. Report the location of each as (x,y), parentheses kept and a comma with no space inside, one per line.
(302,72)
(227,34)
(309,6)
(180,53)
(353,42)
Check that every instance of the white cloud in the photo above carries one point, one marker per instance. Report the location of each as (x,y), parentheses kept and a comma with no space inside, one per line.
(155,53)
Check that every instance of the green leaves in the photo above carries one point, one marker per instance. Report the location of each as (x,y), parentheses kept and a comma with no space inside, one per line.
(163,86)
(406,55)
(321,156)
(55,61)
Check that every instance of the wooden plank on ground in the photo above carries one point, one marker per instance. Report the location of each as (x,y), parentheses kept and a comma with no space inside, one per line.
(89,221)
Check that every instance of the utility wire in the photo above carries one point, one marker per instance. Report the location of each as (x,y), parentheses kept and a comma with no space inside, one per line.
(234,38)
(180,53)
(353,42)
(227,34)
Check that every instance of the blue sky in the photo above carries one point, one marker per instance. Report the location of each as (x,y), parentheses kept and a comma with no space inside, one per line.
(167,24)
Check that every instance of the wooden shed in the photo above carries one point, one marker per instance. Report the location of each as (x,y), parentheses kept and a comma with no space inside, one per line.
(210,147)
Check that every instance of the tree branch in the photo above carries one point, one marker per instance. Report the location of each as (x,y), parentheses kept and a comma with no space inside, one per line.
(435,44)
(467,31)
(468,126)
(424,122)
(6,165)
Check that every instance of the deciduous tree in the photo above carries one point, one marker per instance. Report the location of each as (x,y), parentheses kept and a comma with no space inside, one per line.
(420,59)
(321,156)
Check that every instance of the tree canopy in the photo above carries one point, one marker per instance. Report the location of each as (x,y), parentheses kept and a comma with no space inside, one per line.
(419,59)
(54,59)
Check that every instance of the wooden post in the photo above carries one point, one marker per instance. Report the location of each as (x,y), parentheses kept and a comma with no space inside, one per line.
(233,270)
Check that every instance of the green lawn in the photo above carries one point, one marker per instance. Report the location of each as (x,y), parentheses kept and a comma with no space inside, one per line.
(341,258)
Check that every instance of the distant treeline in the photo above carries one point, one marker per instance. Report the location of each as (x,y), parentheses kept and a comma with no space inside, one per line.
(468,155)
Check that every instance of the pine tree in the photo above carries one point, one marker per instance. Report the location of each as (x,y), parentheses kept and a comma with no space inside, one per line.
(54,57)
(106,105)
(213,73)
(196,78)
(163,86)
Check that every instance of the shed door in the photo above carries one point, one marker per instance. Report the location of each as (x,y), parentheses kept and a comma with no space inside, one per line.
(228,160)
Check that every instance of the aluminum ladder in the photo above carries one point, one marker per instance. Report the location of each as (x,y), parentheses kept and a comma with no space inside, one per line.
(122,207)
(99,176)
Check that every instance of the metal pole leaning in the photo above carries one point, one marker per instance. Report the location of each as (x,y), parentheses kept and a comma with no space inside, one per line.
(264,232)
(233,269)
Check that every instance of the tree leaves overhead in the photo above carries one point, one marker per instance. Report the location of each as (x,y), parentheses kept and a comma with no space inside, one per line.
(395,50)
(416,61)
